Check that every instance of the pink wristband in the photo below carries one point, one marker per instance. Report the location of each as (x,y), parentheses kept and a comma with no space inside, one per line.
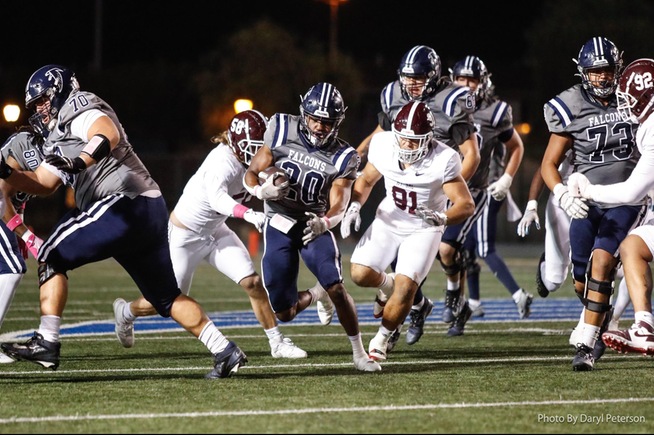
(14,222)
(329,225)
(239,210)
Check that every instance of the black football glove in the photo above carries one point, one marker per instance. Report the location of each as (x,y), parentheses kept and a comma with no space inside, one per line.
(66,164)
(5,169)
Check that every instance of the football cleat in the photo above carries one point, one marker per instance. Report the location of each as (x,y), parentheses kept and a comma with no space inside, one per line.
(459,323)
(379,304)
(227,362)
(476,307)
(583,360)
(285,348)
(124,329)
(395,337)
(377,348)
(639,338)
(452,305)
(524,304)
(543,292)
(418,317)
(367,364)
(36,350)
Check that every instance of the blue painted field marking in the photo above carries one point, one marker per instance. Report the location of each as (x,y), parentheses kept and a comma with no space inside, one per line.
(497,310)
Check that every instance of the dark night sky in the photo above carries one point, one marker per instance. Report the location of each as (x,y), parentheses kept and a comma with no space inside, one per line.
(140,30)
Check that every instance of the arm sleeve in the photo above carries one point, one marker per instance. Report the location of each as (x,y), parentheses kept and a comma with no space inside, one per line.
(633,188)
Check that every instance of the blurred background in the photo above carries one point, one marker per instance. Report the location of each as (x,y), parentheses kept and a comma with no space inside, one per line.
(173,73)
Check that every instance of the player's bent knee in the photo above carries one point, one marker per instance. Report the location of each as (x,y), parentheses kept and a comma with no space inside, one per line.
(47,271)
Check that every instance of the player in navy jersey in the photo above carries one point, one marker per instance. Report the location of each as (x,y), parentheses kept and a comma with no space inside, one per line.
(22,150)
(635,95)
(498,138)
(120,213)
(420,79)
(585,119)
(321,169)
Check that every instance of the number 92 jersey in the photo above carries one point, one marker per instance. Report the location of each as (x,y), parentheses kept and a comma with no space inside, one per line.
(604,147)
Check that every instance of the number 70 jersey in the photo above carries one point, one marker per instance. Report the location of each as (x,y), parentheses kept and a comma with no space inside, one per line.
(421,183)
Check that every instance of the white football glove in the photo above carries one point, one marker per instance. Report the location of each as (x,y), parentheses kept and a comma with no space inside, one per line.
(351,216)
(268,191)
(500,188)
(435,218)
(256,218)
(576,208)
(316,225)
(530,216)
(579,186)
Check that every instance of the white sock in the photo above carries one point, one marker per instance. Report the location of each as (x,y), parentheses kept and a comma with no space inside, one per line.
(622,301)
(387,284)
(127,312)
(211,337)
(274,334)
(316,292)
(357,346)
(516,296)
(419,305)
(50,327)
(644,316)
(589,335)
(453,285)
(549,285)
(8,285)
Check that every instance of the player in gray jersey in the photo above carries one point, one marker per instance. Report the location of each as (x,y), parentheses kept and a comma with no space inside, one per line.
(419,79)
(584,119)
(22,150)
(497,138)
(321,169)
(120,213)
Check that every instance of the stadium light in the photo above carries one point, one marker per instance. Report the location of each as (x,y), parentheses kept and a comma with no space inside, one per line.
(523,128)
(242,104)
(11,112)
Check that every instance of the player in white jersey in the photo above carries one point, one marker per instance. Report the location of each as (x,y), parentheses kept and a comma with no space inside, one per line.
(120,213)
(635,95)
(198,231)
(584,119)
(321,169)
(22,150)
(419,79)
(420,175)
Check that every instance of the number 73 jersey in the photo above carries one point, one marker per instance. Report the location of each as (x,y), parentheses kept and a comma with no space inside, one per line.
(421,183)
(604,147)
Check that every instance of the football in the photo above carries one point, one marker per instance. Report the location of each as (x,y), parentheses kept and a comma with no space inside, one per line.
(269,172)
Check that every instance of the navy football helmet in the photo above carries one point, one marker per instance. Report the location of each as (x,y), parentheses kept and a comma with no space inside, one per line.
(599,53)
(421,62)
(413,122)
(245,134)
(54,83)
(473,67)
(636,91)
(324,103)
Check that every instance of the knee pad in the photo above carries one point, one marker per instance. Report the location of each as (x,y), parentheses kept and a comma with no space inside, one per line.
(469,262)
(46,271)
(603,287)
(457,267)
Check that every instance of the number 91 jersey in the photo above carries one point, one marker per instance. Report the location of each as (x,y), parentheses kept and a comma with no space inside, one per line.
(604,146)
(420,183)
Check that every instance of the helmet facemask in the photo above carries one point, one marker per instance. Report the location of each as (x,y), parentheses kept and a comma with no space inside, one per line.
(411,155)
(322,103)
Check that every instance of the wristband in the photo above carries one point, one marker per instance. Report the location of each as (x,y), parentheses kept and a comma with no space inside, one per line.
(239,210)
(327,222)
(14,222)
